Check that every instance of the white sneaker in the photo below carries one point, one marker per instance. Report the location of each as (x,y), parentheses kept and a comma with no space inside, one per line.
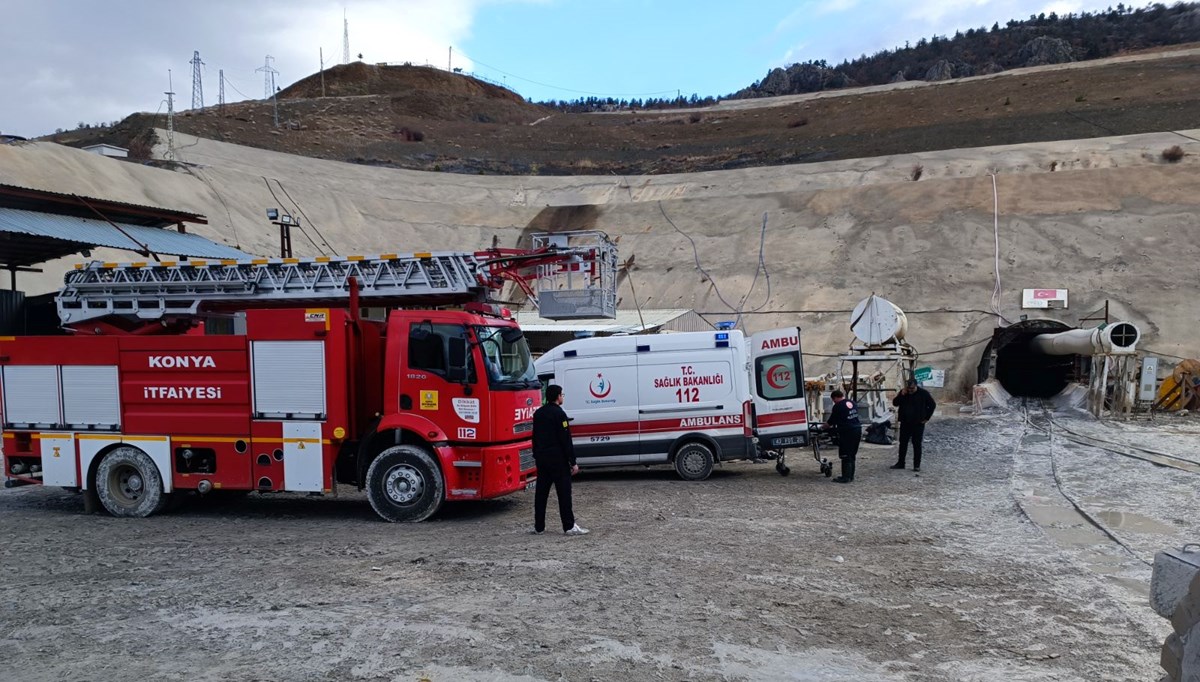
(535,531)
(576,530)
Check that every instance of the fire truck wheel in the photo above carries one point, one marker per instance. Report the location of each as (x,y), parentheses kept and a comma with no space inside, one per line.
(694,461)
(128,483)
(405,484)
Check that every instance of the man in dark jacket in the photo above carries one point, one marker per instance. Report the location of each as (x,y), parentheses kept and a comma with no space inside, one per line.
(844,418)
(555,456)
(914,407)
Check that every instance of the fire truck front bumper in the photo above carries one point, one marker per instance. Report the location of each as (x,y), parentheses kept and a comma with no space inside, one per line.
(481,473)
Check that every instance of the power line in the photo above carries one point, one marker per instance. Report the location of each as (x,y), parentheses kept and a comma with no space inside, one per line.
(696,255)
(235,88)
(306,218)
(282,205)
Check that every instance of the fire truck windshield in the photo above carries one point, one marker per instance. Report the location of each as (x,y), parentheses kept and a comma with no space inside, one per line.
(506,355)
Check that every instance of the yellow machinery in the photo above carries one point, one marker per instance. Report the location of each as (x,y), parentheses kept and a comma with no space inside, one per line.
(1181,390)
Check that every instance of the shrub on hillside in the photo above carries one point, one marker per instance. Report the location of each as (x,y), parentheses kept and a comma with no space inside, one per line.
(1172,154)
(409,135)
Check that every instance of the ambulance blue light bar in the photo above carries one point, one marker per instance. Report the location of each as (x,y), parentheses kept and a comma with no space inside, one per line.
(722,339)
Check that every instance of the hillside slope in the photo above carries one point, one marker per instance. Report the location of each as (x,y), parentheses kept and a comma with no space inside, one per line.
(1112,222)
(426,119)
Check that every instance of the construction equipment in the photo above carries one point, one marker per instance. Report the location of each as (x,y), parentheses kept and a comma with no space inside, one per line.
(1181,390)
(879,328)
(263,375)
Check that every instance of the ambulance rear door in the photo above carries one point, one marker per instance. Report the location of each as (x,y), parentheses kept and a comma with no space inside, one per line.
(777,369)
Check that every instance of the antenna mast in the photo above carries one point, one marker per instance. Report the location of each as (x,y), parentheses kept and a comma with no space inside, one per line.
(221,90)
(197,86)
(170,117)
(345,38)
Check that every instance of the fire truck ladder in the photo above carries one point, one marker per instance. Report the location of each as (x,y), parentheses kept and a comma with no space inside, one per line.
(154,291)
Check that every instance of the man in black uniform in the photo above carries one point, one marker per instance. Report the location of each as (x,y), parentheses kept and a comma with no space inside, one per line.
(914,407)
(844,418)
(555,457)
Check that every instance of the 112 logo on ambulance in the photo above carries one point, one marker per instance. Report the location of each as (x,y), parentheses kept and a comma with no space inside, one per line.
(779,377)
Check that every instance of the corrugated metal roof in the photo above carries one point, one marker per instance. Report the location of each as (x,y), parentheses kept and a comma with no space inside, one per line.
(45,201)
(90,232)
(627,322)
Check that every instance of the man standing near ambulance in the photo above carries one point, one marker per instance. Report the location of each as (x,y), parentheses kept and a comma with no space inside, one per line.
(555,456)
(914,407)
(844,418)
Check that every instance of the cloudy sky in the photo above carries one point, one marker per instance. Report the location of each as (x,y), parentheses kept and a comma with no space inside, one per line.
(67,61)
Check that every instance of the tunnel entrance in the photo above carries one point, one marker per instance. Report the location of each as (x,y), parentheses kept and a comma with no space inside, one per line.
(1024,372)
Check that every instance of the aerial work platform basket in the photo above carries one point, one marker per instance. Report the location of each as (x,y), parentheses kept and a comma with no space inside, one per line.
(582,287)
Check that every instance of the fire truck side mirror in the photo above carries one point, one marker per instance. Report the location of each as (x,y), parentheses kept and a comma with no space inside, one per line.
(458,360)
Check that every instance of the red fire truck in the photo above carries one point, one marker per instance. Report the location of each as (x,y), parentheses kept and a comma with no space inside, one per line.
(265,376)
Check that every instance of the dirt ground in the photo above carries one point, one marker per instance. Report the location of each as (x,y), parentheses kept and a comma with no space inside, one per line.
(964,572)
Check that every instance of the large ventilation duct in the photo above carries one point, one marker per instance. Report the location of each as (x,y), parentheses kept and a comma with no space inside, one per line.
(1115,339)
(1039,358)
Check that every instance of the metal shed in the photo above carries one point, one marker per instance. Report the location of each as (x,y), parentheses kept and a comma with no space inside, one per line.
(544,334)
(38,226)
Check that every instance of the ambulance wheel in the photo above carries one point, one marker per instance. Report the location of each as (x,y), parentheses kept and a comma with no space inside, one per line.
(694,461)
(129,485)
(404,484)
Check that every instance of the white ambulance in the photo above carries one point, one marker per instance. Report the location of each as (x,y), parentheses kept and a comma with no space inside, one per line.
(691,400)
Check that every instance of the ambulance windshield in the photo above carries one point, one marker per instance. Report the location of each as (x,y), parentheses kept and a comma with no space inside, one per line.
(506,355)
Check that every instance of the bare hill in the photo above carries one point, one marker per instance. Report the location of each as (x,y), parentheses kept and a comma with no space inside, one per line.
(426,119)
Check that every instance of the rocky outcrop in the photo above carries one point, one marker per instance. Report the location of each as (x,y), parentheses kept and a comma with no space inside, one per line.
(1045,50)
(944,70)
(800,78)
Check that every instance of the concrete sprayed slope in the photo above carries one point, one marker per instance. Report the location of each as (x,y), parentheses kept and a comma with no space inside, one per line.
(1112,221)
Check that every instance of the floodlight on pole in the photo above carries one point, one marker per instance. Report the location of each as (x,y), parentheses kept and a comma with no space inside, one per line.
(285,223)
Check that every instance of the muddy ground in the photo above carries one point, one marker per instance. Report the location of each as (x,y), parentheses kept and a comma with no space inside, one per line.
(974,570)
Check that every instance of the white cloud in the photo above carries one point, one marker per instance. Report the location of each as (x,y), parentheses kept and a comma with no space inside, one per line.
(71,60)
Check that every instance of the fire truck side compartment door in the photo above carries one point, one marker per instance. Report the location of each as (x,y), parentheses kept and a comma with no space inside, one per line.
(91,397)
(303,456)
(58,460)
(777,377)
(289,379)
(31,395)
